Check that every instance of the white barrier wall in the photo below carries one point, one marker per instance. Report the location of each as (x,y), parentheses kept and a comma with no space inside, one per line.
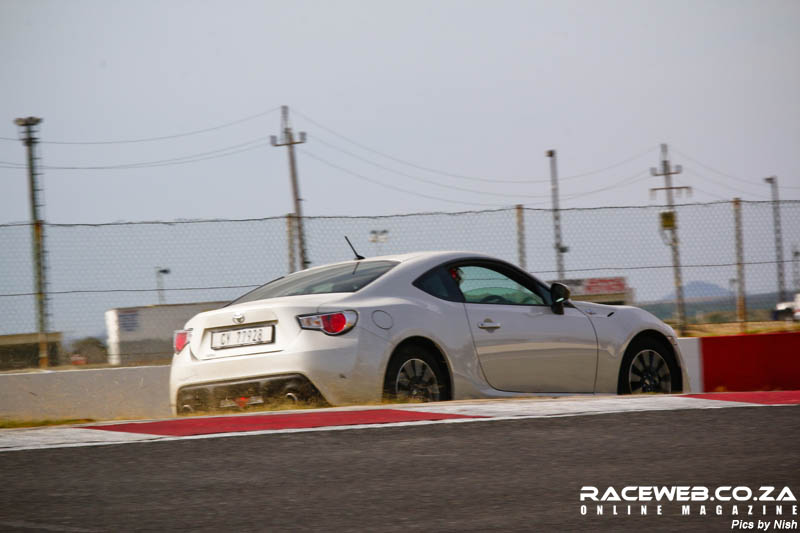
(107,393)
(142,392)
(144,334)
(690,349)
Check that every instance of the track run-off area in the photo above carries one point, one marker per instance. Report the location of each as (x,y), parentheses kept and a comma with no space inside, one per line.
(372,417)
(517,464)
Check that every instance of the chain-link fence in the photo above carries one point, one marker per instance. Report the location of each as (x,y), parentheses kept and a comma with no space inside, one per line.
(95,268)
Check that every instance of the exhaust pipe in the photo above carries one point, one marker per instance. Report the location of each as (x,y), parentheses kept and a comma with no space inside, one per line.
(292,397)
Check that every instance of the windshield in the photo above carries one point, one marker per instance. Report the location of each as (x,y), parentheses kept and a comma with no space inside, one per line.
(348,277)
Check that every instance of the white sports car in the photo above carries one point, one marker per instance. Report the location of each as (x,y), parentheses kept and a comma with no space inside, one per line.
(423,326)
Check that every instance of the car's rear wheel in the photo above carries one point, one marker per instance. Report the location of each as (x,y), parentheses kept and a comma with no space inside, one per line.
(415,374)
(649,367)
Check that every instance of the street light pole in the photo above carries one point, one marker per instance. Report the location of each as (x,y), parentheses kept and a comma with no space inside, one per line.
(378,237)
(30,141)
(160,272)
(559,246)
(776,216)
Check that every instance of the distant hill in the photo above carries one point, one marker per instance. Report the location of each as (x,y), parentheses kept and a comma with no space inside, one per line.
(759,306)
(700,289)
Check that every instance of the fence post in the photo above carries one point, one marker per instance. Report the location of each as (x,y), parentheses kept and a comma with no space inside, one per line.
(741,303)
(521,236)
(290,241)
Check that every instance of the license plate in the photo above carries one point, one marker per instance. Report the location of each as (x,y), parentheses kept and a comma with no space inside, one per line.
(242,337)
(242,401)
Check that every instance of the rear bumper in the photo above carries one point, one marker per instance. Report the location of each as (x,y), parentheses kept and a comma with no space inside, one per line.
(243,394)
(344,369)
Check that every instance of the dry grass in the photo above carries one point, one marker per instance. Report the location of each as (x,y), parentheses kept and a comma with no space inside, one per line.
(734,328)
(10,424)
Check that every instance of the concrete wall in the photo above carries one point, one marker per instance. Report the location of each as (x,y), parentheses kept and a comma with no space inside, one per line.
(767,361)
(144,334)
(753,362)
(135,392)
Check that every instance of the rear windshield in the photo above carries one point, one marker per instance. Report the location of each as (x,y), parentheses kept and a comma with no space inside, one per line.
(349,277)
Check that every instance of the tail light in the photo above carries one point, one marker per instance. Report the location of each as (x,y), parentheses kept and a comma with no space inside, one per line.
(181,339)
(330,323)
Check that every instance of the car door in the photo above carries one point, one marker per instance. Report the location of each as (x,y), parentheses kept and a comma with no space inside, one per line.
(522,345)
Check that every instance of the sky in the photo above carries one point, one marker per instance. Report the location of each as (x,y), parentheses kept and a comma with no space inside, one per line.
(409,106)
(163,111)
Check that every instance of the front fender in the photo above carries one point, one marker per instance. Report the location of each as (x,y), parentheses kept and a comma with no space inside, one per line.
(616,327)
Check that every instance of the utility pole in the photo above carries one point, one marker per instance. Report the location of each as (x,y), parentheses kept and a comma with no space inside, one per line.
(559,246)
(776,215)
(29,140)
(289,142)
(669,221)
(796,268)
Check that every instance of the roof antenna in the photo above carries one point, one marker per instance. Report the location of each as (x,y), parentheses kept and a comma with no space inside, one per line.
(358,257)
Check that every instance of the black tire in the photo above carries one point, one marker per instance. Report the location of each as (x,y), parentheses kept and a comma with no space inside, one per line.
(407,378)
(649,367)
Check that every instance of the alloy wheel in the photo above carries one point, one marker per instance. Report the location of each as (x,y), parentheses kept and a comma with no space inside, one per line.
(649,372)
(416,380)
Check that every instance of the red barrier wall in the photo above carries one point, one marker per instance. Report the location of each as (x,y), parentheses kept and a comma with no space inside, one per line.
(767,361)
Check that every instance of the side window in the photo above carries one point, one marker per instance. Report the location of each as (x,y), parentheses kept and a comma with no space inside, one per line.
(483,285)
(438,283)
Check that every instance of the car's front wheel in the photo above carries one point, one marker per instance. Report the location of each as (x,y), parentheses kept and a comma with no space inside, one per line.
(649,367)
(415,374)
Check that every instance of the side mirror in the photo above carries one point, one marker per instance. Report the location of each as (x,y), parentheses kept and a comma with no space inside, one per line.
(560,294)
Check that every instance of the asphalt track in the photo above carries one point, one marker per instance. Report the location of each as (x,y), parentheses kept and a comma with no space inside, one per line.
(513,475)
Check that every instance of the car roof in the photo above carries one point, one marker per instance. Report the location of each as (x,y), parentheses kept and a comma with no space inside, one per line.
(416,257)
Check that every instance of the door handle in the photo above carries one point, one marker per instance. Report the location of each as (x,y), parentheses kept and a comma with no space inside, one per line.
(488,325)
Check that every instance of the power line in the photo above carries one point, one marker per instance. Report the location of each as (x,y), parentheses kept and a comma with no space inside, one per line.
(627,181)
(604,169)
(718,197)
(423,180)
(463,176)
(725,174)
(162,137)
(568,196)
(195,160)
(191,158)
(386,185)
(712,169)
(722,184)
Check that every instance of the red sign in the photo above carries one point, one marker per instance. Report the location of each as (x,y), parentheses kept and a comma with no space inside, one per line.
(603,285)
